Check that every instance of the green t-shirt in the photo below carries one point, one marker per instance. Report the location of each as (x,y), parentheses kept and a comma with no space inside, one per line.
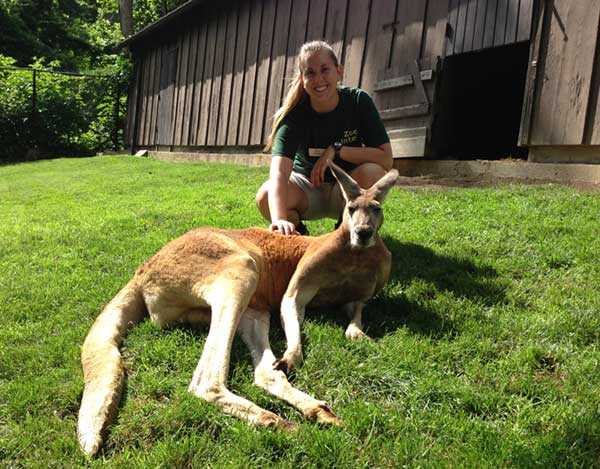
(303,132)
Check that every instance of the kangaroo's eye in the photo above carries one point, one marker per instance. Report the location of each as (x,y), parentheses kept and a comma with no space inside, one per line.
(351,209)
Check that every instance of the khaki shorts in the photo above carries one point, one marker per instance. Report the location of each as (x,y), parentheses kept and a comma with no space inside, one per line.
(325,201)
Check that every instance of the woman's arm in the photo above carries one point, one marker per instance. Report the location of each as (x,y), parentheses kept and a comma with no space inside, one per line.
(279,174)
(381,155)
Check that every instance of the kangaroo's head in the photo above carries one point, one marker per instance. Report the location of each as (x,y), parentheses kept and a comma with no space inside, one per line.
(363,214)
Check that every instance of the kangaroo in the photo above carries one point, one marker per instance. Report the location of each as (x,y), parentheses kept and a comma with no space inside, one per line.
(234,279)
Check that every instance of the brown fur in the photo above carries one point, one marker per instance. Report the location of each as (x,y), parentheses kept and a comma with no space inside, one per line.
(235,279)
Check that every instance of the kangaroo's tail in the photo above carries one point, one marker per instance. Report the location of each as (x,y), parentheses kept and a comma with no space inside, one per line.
(103,366)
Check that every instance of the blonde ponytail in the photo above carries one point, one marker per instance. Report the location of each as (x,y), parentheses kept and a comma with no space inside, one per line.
(293,97)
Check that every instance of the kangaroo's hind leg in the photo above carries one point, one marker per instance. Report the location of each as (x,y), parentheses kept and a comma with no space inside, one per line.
(228,297)
(254,329)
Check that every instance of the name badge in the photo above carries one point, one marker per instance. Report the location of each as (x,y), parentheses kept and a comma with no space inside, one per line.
(315,152)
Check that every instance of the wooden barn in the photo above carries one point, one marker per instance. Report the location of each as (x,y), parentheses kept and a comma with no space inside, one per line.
(459,79)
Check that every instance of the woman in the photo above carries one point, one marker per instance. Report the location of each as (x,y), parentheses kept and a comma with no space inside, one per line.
(320,121)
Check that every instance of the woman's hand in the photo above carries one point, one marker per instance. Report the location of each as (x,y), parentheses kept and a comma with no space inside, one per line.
(317,176)
(284,227)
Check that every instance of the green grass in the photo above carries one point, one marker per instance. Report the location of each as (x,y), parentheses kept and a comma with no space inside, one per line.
(486,338)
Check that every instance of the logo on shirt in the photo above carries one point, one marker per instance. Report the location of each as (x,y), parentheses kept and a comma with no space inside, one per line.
(349,136)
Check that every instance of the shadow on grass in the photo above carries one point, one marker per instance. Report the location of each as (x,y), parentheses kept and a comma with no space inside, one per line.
(434,275)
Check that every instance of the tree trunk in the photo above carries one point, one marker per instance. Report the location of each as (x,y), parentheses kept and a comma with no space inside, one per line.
(126,17)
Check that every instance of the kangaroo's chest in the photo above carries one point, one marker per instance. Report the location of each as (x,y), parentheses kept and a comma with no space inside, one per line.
(357,284)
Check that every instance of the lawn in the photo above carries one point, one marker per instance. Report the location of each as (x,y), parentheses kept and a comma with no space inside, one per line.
(486,339)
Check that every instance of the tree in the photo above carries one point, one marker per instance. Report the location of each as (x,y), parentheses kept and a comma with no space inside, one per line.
(126,17)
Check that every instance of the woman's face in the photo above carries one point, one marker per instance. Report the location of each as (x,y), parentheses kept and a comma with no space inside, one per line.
(320,78)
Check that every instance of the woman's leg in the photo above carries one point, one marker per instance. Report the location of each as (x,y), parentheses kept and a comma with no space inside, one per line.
(367,174)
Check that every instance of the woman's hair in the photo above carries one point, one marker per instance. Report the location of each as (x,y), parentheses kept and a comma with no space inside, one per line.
(297,92)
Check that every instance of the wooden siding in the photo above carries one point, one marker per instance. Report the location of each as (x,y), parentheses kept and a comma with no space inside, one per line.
(562,106)
(217,76)
(218,81)
(480,24)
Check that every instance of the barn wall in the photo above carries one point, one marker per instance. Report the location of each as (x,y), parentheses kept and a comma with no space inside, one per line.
(219,79)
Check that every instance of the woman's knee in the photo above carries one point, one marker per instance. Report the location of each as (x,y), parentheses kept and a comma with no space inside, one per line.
(367,174)
(262,197)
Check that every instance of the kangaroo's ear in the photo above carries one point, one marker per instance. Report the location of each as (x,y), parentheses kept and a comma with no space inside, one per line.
(350,188)
(382,187)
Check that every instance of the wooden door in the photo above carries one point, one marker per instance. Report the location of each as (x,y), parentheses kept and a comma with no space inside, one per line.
(410,44)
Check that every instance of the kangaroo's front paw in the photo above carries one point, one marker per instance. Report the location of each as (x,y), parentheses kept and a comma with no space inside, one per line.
(288,363)
(282,364)
(323,414)
(354,333)
(269,419)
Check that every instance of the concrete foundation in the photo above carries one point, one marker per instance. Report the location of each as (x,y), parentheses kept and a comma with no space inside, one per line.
(484,171)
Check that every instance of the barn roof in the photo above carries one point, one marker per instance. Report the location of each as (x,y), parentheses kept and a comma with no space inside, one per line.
(179,12)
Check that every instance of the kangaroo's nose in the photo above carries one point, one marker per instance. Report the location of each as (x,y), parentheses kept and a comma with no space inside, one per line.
(364,233)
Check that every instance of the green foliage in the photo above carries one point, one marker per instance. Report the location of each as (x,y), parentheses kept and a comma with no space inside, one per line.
(68,115)
(71,115)
(148,11)
(74,32)
(485,341)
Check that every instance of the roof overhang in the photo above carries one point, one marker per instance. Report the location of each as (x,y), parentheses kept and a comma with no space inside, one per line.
(179,12)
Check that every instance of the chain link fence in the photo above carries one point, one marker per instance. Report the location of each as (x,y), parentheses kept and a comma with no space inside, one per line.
(47,113)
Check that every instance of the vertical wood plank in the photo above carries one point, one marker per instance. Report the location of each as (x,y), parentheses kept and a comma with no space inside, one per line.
(406,47)
(277,81)
(298,25)
(190,88)
(525,18)
(592,133)
(144,98)
(209,75)
(154,75)
(379,43)
(182,67)
(435,36)
(215,101)
(251,70)
(227,86)
(461,26)
(336,25)
(177,75)
(317,12)
(512,22)
(239,73)
(132,107)
(263,73)
(531,83)
(452,25)
(167,90)
(479,24)
(470,25)
(356,31)
(153,131)
(198,83)
(500,30)
(490,23)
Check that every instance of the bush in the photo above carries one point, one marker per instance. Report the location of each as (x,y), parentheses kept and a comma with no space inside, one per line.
(72,115)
